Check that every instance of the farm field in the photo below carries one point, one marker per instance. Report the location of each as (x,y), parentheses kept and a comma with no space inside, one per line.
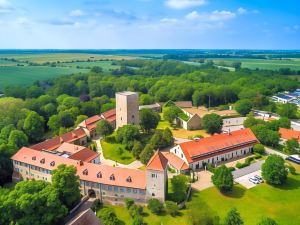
(274,64)
(62,57)
(26,75)
(279,203)
(106,65)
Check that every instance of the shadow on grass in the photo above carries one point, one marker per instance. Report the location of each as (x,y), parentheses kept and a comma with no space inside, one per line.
(125,157)
(237,192)
(290,184)
(110,139)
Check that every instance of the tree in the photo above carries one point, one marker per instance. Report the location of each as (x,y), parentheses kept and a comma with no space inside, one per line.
(157,140)
(129,202)
(108,216)
(233,218)
(138,220)
(222,178)
(212,123)
(273,170)
(17,139)
(250,121)
(104,128)
(135,210)
(5,131)
(146,154)
(265,135)
(243,106)
(137,149)
(127,133)
(34,203)
(179,187)
(259,148)
(267,221)
(196,98)
(155,206)
(34,126)
(146,99)
(171,113)
(291,146)
(6,167)
(172,208)
(80,118)
(148,119)
(288,110)
(66,182)
(168,137)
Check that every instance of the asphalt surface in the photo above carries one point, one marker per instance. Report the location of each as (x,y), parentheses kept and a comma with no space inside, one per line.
(249,169)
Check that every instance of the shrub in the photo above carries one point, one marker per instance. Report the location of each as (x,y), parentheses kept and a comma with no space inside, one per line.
(257,156)
(259,148)
(231,169)
(172,208)
(210,168)
(292,169)
(108,216)
(129,202)
(96,205)
(155,206)
(135,210)
(138,220)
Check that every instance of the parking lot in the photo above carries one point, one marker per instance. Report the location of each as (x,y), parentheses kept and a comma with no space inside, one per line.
(244,180)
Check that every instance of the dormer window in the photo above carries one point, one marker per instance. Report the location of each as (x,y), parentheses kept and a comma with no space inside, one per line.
(52,163)
(99,175)
(85,172)
(33,157)
(42,161)
(112,177)
(129,179)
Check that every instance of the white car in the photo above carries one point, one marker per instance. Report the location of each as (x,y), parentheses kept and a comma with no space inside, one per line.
(254,180)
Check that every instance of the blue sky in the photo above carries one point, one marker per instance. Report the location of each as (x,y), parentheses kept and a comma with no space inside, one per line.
(133,24)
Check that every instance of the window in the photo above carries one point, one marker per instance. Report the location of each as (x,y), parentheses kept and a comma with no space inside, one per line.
(121,189)
(99,175)
(104,187)
(116,189)
(52,163)
(85,172)
(153,194)
(153,175)
(128,190)
(132,116)
(181,155)
(129,179)
(109,188)
(142,192)
(134,190)
(112,177)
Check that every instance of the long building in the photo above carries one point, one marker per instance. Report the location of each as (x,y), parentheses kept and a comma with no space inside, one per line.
(215,149)
(108,183)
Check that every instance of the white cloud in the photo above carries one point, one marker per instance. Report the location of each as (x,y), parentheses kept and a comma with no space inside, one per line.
(76,12)
(213,16)
(241,10)
(182,4)
(169,20)
(5,6)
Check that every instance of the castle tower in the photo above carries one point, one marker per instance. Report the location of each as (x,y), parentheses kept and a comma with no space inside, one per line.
(157,177)
(127,108)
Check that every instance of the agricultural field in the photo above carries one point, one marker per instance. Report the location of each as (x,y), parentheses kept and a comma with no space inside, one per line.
(106,65)
(26,75)
(274,64)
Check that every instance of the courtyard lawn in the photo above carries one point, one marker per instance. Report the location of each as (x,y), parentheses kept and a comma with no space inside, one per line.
(116,152)
(280,203)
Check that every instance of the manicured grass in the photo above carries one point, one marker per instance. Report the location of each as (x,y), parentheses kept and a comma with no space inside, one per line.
(26,75)
(280,203)
(116,152)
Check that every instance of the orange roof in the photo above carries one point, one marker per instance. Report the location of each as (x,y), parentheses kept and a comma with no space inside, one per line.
(78,152)
(109,113)
(55,142)
(157,162)
(109,175)
(219,142)
(289,134)
(175,161)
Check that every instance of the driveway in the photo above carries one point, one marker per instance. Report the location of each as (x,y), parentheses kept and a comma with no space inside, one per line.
(271,151)
(247,170)
(204,181)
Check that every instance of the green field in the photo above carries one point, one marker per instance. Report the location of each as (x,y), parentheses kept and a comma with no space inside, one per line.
(26,75)
(106,65)
(280,203)
(273,64)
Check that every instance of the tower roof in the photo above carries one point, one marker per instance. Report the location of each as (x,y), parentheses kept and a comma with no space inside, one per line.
(157,162)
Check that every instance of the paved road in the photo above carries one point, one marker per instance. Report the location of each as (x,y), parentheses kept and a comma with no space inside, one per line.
(271,151)
(249,169)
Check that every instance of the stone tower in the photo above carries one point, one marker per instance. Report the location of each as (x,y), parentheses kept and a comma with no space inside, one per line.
(157,177)
(127,108)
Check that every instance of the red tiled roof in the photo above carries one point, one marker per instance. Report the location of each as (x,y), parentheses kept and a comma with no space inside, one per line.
(51,161)
(85,155)
(157,162)
(184,104)
(55,142)
(209,145)
(289,134)
(175,161)
(109,113)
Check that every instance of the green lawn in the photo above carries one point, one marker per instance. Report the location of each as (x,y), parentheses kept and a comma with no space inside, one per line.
(116,152)
(281,203)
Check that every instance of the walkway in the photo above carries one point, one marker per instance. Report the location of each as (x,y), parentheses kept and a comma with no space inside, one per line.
(271,151)
(204,181)
(134,165)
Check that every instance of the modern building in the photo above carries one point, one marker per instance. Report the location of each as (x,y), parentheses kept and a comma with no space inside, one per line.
(283,98)
(127,108)
(109,184)
(215,149)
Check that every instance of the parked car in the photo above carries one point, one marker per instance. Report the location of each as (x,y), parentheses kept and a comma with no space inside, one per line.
(253,180)
(290,158)
(259,178)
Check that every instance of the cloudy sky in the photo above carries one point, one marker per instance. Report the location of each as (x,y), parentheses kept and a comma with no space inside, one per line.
(127,24)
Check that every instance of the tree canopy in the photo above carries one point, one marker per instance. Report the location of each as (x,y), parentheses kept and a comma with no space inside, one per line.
(273,170)
(222,178)
(212,123)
